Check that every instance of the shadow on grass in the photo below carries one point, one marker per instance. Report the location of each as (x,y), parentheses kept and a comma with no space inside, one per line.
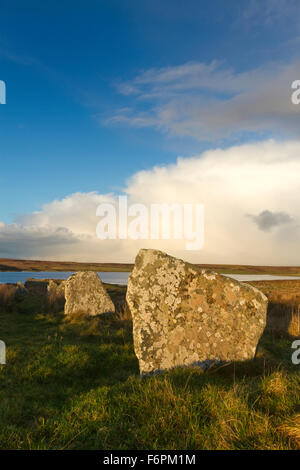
(51,360)
(283,320)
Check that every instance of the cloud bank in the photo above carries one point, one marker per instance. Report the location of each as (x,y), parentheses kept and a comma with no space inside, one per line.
(259,179)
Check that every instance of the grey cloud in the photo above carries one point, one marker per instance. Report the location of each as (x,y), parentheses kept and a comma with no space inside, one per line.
(20,241)
(209,101)
(267,220)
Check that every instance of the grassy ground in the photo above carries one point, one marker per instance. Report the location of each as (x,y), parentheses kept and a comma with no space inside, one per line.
(284,306)
(74,384)
(281,292)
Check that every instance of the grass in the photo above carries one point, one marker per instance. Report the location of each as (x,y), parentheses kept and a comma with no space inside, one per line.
(7,294)
(73,383)
(284,306)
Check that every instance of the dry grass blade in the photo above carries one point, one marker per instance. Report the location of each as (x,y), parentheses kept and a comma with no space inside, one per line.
(7,293)
(291,429)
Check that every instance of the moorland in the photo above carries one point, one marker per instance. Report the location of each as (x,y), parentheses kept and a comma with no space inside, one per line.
(73,383)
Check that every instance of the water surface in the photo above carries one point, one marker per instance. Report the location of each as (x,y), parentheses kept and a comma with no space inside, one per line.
(117,277)
(14,277)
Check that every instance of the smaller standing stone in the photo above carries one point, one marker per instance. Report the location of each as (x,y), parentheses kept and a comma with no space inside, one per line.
(56,288)
(56,293)
(21,289)
(86,294)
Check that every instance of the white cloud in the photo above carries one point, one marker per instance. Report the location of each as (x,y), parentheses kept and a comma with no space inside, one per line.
(209,101)
(232,184)
(76,212)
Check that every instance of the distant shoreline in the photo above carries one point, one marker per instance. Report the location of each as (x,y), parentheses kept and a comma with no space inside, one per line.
(15,265)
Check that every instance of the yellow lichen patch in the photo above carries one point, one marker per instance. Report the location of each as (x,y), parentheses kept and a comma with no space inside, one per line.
(190,315)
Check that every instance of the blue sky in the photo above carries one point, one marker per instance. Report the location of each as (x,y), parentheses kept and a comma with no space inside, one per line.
(100,90)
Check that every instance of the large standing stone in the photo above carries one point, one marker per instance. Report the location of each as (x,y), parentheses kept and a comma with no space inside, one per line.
(184,315)
(85,293)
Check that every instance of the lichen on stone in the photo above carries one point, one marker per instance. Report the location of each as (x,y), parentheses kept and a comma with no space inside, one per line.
(86,294)
(184,315)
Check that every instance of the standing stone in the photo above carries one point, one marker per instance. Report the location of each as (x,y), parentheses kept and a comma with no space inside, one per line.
(56,294)
(21,289)
(85,293)
(184,315)
(56,288)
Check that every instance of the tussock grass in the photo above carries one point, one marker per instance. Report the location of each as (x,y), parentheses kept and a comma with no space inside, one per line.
(291,429)
(284,306)
(284,319)
(7,293)
(56,295)
(56,302)
(72,382)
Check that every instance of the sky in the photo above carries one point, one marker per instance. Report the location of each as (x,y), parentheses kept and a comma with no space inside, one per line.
(173,101)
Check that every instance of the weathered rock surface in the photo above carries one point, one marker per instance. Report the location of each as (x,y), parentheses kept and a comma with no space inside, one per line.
(184,315)
(85,293)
